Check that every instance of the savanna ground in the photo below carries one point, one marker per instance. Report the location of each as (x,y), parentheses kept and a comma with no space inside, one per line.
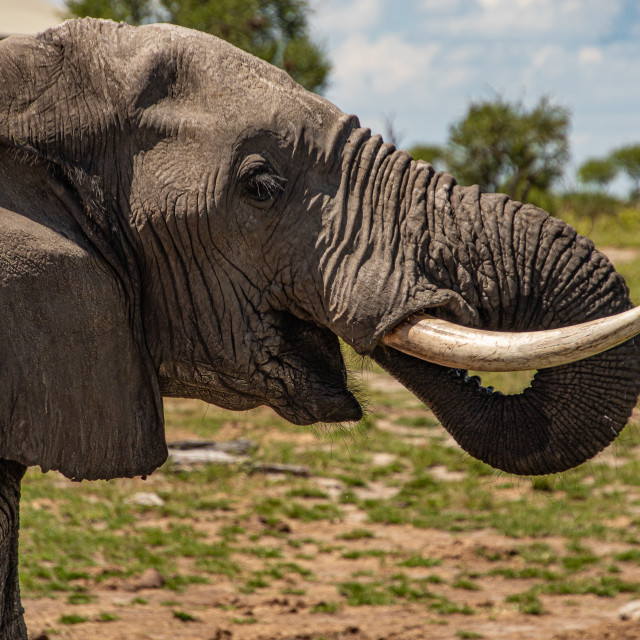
(395,533)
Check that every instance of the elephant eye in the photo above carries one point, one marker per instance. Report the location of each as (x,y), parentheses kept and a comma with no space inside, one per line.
(260,183)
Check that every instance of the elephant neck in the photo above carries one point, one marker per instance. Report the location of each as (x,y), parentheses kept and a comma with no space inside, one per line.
(29,187)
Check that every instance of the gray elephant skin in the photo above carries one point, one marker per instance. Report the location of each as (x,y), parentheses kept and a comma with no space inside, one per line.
(178,218)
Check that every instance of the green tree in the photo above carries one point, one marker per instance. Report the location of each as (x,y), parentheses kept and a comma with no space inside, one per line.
(504,147)
(598,171)
(275,30)
(431,153)
(627,160)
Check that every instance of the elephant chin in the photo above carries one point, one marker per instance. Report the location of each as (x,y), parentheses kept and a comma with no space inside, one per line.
(303,379)
(307,378)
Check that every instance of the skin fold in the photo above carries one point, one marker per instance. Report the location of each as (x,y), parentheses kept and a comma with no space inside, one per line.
(179,218)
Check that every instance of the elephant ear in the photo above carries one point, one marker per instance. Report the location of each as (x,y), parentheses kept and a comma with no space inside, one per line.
(78,389)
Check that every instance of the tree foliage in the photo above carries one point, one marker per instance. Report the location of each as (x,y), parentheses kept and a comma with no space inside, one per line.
(502,146)
(275,30)
(598,171)
(602,171)
(431,153)
(627,160)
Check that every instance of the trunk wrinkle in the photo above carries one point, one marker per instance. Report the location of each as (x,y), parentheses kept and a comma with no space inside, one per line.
(522,270)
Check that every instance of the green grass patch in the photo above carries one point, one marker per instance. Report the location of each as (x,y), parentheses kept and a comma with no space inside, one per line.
(416,560)
(446,607)
(183,616)
(364,593)
(104,616)
(80,598)
(525,573)
(528,602)
(356,554)
(357,534)
(606,586)
(72,618)
(327,607)
(244,620)
(465,583)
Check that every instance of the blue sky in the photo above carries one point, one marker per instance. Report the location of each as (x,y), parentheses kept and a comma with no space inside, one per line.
(419,63)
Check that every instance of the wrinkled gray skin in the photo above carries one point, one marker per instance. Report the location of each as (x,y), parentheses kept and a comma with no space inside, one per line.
(179,218)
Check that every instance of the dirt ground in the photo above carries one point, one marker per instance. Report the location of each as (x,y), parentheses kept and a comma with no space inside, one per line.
(280,617)
(294,607)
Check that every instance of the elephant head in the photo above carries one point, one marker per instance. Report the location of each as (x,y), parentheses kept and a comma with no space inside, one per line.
(182,219)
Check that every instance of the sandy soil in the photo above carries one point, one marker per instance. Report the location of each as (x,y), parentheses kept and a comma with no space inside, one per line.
(217,611)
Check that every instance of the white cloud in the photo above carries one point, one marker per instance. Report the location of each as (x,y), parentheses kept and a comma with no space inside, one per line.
(380,67)
(332,16)
(448,6)
(528,19)
(589,55)
(548,55)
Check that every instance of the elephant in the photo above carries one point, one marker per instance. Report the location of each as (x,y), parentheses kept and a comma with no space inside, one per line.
(180,218)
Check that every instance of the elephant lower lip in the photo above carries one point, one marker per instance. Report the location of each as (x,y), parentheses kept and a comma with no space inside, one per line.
(342,407)
(347,411)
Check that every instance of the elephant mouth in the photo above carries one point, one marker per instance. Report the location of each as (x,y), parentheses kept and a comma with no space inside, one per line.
(302,377)
(307,377)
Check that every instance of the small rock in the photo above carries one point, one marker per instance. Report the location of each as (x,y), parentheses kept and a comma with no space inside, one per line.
(191,457)
(150,579)
(116,584)
(630,611)
(40,636)
(383,459)
(146,499)
(332,487)
(486,604)
(441,473)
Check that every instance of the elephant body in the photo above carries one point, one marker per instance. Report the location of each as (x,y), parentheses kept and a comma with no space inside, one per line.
(178,218)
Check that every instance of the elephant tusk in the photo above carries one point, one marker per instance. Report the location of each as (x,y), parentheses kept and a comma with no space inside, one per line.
(453,345)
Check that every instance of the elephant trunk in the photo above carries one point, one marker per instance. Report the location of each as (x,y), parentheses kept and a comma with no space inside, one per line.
(412,241)
(519,269)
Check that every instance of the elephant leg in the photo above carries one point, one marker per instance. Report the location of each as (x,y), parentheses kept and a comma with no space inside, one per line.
(12,626)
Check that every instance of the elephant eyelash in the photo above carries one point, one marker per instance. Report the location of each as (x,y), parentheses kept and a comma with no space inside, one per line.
(264,187)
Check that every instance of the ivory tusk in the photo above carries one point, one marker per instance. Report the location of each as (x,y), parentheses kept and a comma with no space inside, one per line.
(453,345)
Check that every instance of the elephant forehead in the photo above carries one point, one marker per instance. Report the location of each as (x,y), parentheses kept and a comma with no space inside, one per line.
(212,74)
(215,65)
(184,77)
